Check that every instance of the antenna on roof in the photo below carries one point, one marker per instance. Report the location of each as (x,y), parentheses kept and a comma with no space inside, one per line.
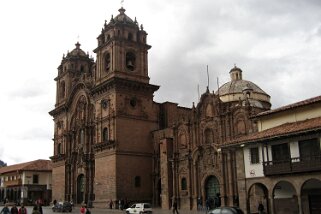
(198,92)
(208,77)
(218,86)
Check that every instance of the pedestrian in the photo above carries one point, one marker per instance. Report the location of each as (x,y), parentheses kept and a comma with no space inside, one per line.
(35,210)
(175,206)
(5,209)
(199,203)
(207,203)
(83,209)
(119,204)
(22,209)
(260,208)
(87,211)
(14,209)
(111,204)
(39,207)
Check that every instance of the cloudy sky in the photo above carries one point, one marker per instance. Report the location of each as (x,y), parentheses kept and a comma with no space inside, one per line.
(277,44)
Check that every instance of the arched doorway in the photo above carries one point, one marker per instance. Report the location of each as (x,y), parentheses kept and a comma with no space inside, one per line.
(285,198)
(212,191)
(80,188)
(311,196)
(258,193)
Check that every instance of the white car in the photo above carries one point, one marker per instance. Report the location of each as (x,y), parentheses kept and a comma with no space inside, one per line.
(139,208)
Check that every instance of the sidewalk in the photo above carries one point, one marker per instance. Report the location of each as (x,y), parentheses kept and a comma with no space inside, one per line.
(155,211)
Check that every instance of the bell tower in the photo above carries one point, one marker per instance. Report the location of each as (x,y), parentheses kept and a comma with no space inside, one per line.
(125,112)
(122,50)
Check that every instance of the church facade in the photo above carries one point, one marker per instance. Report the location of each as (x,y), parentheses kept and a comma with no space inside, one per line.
(112,141)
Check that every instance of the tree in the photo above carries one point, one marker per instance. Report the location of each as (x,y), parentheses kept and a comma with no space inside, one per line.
(2,164)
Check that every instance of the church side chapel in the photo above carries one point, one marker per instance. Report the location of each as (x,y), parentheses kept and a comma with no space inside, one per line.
(113,141)
(190,163)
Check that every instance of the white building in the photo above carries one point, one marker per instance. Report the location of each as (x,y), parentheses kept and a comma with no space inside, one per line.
(26,182)
(280,165)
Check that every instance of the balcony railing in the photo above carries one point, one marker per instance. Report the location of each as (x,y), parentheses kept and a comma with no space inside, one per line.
(12,183)
(293,165)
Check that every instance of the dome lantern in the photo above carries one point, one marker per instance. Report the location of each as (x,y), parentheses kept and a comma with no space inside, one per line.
(236,73)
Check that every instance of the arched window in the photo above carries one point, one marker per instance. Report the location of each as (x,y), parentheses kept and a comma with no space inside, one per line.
(107,37)
(62,89)
(105,135)
(59,149)
(107,62)
(137,181)
(130,36)
(209,111)
(183,184)
(241,129)
(130,61)
(182,140)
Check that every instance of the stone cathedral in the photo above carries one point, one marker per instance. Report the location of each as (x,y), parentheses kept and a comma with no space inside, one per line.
(112,141)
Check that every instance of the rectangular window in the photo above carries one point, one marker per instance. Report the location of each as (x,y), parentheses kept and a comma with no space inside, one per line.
(255,158)
(280,153)
(309,149)
(35,179)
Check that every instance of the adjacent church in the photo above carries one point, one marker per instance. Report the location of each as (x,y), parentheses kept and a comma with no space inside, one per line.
(113,141)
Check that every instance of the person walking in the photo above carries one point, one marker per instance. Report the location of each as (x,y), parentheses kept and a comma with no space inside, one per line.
(199,204)
(175,206)
(35,210)
(260,208)
(207,204)
(5,209)
(39,207)
(14,209)
(22,209)
(83,209)
(111,204)
(87,211)
(120,204)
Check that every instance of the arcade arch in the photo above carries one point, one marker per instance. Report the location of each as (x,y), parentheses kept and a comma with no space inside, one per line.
(311,196)
(284,197)
(258,192)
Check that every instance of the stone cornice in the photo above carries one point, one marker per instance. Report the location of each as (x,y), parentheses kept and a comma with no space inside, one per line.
(124,84)
(104,146)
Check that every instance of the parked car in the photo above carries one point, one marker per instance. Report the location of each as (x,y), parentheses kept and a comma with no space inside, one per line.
(226,210)
(62,207)
(139,208)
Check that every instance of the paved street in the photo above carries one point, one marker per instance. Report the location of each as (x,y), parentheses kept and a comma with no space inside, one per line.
(47,210)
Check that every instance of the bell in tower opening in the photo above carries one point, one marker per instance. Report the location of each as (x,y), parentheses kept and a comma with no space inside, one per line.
(130,61)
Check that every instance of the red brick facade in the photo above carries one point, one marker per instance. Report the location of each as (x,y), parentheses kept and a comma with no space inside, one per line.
(112,141)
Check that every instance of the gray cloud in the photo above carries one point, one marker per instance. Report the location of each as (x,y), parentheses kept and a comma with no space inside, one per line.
(276,43)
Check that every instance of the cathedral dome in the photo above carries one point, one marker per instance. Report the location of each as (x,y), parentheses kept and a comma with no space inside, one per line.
(238,86)
(240,90)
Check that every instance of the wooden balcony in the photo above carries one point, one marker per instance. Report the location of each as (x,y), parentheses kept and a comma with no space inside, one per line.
(17,182)
(293,165)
